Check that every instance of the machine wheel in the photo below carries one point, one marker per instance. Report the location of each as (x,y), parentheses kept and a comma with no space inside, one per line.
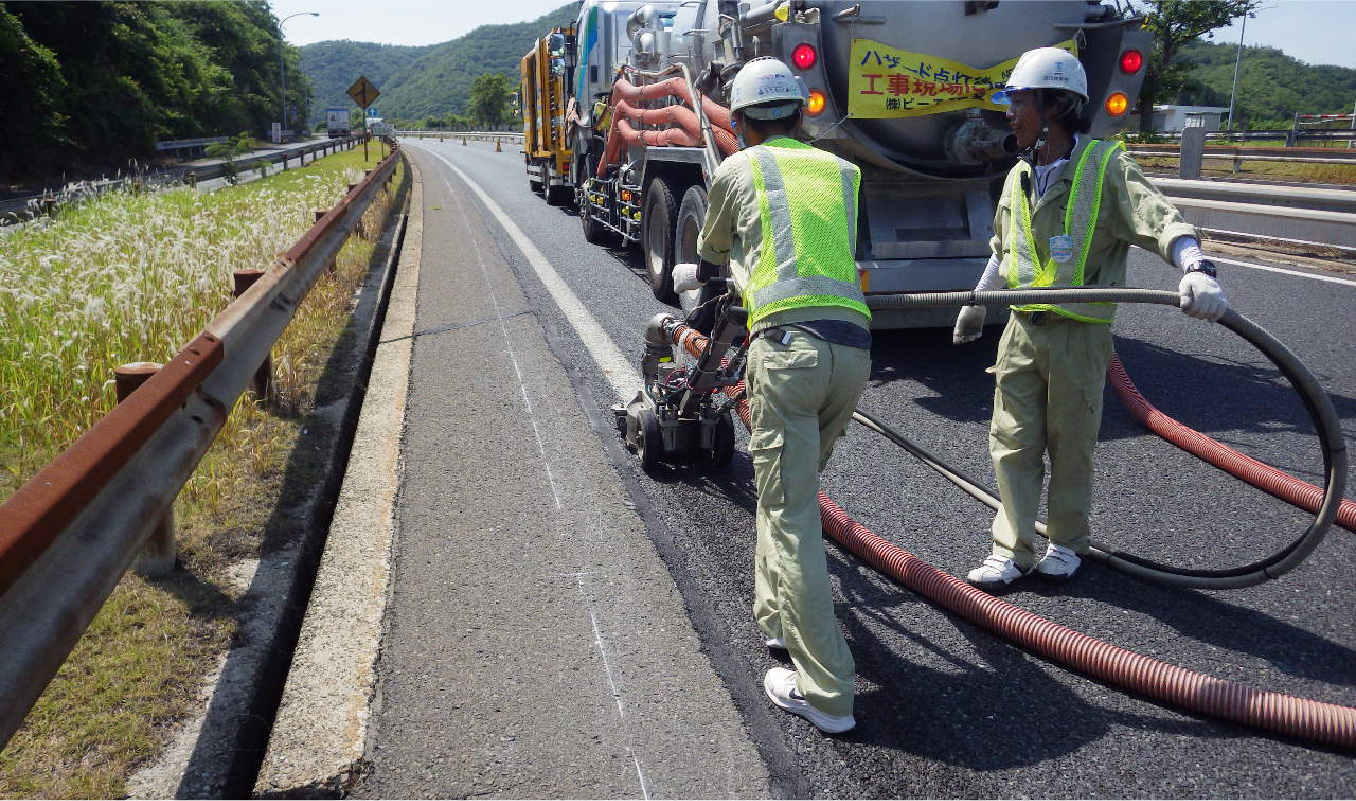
(723,446)
(659,216)
(651,445)
(691,216)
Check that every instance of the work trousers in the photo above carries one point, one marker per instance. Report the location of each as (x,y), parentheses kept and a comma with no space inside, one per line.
(801,397)
(1047,398)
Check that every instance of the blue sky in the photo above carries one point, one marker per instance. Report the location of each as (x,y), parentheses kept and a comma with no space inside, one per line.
(1314,31)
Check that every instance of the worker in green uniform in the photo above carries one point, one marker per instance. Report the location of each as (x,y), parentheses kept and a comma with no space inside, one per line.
(783,216)
(1069,211)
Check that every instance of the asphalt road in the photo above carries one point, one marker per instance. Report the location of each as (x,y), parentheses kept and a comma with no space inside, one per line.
(946,709)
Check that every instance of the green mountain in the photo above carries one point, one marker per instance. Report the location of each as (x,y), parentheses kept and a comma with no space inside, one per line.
(1272,87)
(416,82)
(333,66)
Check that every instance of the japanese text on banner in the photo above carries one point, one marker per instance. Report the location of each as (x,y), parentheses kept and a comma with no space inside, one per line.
(885,82)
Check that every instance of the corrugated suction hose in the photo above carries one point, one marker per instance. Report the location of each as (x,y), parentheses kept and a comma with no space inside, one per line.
(1326,723)
(1263,476)
(1316,402)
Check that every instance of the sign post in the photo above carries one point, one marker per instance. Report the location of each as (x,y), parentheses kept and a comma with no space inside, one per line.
(364,94)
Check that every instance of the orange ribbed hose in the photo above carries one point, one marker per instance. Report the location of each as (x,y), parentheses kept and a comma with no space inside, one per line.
(1319,721)
(1263,476)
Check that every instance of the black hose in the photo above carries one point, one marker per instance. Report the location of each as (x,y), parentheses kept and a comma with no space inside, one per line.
(1316,402)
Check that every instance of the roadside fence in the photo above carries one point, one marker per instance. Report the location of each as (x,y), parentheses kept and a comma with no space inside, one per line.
(69,534)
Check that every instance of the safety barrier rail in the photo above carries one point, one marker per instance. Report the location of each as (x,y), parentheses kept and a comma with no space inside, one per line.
(18,209)
(481,136)
(1240,155)
(70,533)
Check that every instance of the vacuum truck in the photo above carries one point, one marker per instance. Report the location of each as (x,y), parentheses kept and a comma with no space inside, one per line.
(905,90)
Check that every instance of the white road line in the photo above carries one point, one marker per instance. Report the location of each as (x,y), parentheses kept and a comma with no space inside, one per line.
(619,372)
(1328,278)
(513,356)
(615,367)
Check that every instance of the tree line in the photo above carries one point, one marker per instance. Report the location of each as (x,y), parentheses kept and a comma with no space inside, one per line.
(92,85)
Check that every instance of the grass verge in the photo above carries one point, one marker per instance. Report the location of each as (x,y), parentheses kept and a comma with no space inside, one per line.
(140,667)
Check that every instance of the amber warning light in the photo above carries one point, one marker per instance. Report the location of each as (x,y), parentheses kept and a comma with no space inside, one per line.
(1131,61)
(804,56)
(1117,104)
(816,103)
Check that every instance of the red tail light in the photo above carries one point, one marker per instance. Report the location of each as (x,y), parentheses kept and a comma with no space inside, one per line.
(804,56)
(1131,62)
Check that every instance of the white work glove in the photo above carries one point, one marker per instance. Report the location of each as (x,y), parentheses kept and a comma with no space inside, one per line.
(1202,297)
(685,277)
(969,325)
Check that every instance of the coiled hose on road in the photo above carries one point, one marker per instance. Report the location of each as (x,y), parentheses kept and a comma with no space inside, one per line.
(1329,724)
(1316,401)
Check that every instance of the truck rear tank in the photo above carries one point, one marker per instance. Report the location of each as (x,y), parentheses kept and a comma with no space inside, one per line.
(902,89)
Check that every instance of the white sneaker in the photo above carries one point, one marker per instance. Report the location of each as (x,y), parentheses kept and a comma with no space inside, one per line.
(780,686)
(995,573)
(778,643)
(1058,564)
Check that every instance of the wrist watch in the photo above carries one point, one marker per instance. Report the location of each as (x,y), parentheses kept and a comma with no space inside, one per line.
(1203,266)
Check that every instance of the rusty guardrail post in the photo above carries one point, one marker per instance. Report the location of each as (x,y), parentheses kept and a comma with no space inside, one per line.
(161,551)
(263,377)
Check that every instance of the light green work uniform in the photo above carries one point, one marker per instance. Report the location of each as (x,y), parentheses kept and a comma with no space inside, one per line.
(783,215)
(1050,376)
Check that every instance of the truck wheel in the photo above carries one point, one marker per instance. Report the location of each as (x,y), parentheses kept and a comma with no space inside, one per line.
(556,195)
(659,215)
(691,216)
(594,232)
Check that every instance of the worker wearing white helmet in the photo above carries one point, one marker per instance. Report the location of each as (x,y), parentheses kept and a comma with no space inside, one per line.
(783,216)
(1069,211)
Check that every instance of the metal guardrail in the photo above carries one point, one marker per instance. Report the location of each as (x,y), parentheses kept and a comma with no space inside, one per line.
(1240,155)
(514,136)
(190,144)
(70,533)
(30,206)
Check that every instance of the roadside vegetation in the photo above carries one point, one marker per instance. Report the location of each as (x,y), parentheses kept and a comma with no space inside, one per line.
(128,278)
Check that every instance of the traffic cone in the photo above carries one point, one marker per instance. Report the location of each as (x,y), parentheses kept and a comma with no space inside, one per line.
(463,141)
(498,147)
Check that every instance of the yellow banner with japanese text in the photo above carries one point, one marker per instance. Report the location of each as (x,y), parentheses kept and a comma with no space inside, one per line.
(885,82)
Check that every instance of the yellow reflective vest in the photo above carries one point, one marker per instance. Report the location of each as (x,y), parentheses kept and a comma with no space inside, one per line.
(1078,233)
(808,209)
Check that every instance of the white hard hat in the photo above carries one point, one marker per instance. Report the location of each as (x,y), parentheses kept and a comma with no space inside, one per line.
(766,90)
(1047,68)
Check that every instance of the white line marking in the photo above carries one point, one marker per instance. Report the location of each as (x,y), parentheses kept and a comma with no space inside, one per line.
(615,367)
(602,648)
(1329,278)
(640,774)
(513,356)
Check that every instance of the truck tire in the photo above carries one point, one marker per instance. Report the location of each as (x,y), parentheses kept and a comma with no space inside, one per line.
(556,195)
(691,217)
(659,217)
(594,232)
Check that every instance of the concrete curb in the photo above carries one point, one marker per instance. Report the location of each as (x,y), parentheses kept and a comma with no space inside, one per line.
(320,730)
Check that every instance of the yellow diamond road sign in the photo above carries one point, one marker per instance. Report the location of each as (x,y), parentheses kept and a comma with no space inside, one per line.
(363,92)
